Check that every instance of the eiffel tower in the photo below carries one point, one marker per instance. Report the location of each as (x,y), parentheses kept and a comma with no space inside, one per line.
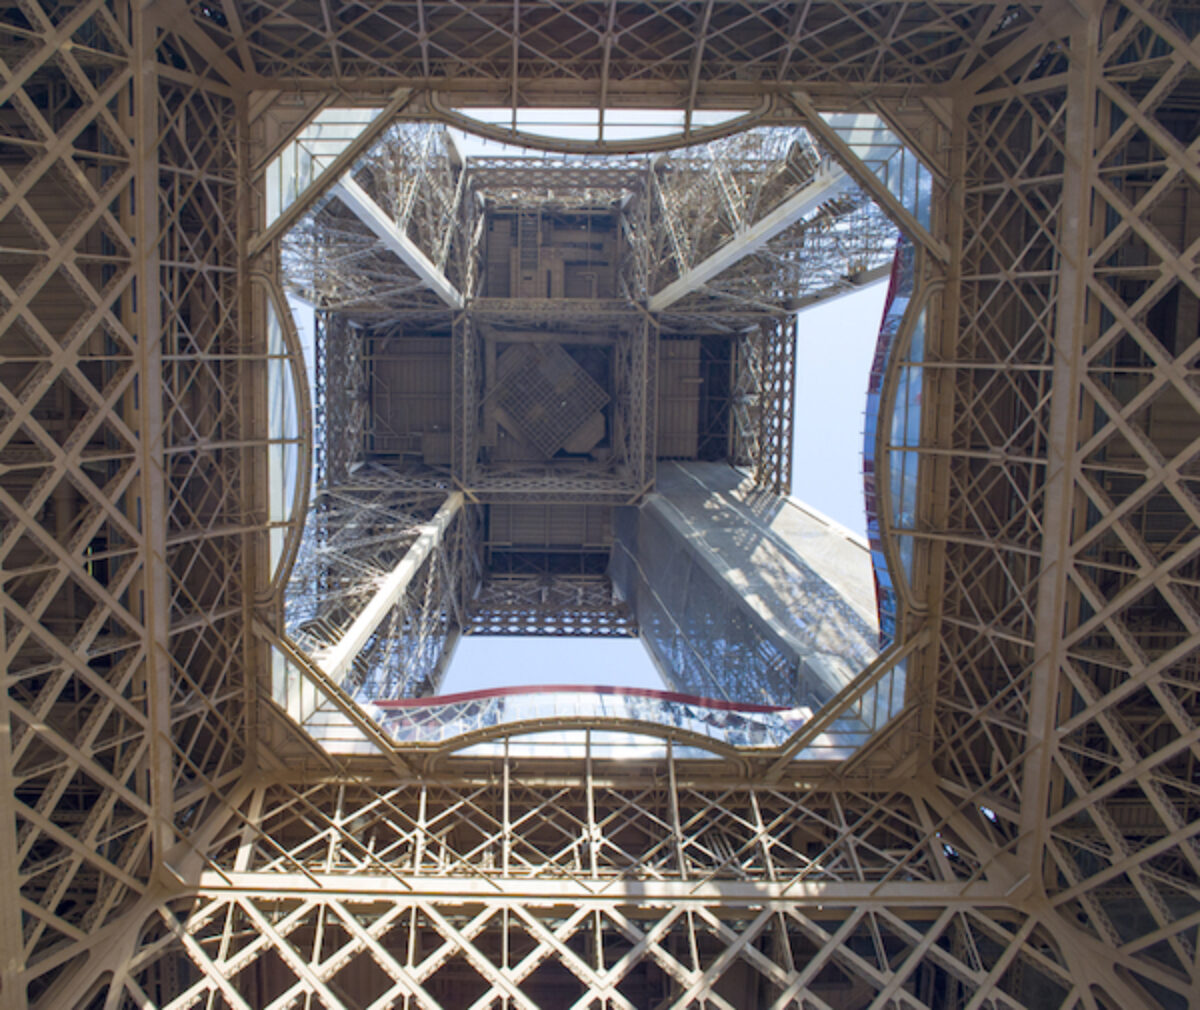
(298,391)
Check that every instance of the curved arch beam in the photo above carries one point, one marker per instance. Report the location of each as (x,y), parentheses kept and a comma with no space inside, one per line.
(291,339)
(556,724)
(651,145)
(883,435)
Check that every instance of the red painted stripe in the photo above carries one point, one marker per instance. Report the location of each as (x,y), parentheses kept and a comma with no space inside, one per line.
(635,692)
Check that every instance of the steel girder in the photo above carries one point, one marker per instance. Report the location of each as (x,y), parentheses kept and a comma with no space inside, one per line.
(1037,840)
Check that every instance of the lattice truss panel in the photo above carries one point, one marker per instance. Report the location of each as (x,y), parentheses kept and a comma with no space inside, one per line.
(618,480)
(555,913)
(612,51)
(716,194)
(634,271)
(77,807)
(125,492)
(406,656)
(339,410)
(580,182)
(199,360)
(354,535)
(333,259)
(847,243)
(1038,849)
(704,196)
(376,634)
(550,604)
(763,392)
(636,410)
(543,953)
(546,393)
(1067,695)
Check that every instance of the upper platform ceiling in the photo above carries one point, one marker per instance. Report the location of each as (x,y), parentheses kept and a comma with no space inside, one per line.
(690,54)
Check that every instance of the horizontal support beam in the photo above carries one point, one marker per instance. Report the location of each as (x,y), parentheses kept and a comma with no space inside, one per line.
(828,183)
(337,660)
(620,890)
(549,336)
(373,216)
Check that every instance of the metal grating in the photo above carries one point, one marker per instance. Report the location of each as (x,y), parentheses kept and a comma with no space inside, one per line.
(546,394)
(545,604)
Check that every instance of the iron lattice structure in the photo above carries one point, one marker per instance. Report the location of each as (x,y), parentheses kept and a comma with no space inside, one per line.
(725,238)
(1025,835)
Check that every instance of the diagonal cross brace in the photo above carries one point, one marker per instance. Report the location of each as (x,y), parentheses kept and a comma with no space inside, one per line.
(374,217)
(337,660)
(825,185)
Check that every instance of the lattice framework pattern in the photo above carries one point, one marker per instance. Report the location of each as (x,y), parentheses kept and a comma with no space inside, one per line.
(1059,535)
(356,534)
(613,50)
(333,259)
(845,246)
(763,390)
(675,212)
(549,604)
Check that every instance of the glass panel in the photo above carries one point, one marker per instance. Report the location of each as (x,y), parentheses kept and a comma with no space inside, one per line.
(887,157)
(304,159)
(443,718)
(904,432)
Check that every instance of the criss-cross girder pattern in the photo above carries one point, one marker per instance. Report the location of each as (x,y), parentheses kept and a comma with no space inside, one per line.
(1024,836)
